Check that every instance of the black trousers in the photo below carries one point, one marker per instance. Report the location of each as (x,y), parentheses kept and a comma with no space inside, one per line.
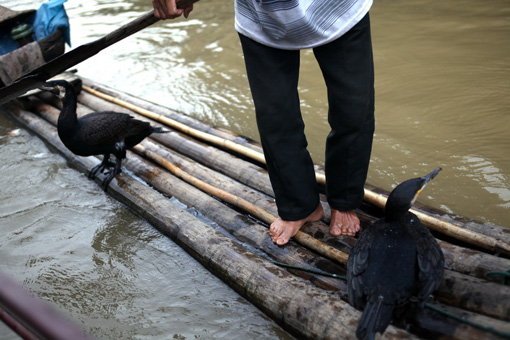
(347,68)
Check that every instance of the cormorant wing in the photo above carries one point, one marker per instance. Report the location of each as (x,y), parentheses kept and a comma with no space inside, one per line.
(357,264)
(430,261)
(108,127)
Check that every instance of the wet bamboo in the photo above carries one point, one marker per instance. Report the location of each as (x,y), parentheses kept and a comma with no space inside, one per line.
(494,304)
(457,258)
(464,260)
(248,173)
(213,177)
(490,305)
(490,299)
(302,238)
(432,222)
(303,309)
(447,228)
(453,288)
(51,114)
(249,233)
(438,327)
(497,232)
(245,229)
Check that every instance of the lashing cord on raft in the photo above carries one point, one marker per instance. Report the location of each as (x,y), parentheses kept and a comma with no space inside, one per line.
(309,270)
(468,322)
(504,276)
(493,274)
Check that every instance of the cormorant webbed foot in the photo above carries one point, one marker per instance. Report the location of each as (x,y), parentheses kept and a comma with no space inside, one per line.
(106,163)
(109,176)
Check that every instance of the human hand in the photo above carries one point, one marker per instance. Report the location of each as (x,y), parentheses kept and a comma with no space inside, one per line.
(167,9)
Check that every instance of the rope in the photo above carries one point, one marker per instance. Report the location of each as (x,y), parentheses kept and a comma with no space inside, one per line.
(500,275)
(468,322)
(309,270)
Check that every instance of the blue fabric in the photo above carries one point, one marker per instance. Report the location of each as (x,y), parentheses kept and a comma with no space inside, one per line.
(6,43)
(50,16)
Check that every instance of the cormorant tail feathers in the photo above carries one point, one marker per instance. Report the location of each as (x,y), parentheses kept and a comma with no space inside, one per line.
(156,129)
(375,318)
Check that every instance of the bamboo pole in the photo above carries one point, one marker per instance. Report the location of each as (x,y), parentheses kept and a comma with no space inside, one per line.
(447,228)
(185,119)
(211,176)
(221,142)
(251,234)
(466,296)
(241,226)
(241,170)
(451,282)
(463,294)
(302,238)
(494,304)
(303,309)
(457,258)
(237,201)
(497,232)
(378,200)
(436,326)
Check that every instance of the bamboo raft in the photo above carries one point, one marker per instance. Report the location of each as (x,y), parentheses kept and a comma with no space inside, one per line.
(226,204)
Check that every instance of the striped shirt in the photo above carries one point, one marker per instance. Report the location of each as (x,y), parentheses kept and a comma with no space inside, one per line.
(297,24)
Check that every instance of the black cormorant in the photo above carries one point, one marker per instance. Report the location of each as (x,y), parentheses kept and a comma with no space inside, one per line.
(393,260)
(97,133)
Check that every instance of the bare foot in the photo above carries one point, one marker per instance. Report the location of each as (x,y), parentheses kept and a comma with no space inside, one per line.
(281,231)
(343,223)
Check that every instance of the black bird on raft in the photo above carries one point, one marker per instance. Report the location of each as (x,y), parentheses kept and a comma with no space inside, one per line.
(97,133)
(394,259)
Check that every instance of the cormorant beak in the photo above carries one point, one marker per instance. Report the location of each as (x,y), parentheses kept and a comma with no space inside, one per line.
(427,178)
(52,89)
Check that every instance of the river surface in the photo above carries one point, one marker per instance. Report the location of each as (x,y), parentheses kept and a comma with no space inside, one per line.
(442,99)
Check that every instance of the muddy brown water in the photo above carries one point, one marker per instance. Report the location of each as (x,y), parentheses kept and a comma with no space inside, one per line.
(442,99)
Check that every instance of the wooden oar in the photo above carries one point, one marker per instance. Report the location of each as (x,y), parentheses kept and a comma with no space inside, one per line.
(58,65)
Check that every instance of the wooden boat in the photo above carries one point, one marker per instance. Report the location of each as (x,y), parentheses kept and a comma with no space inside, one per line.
(30,54)
(220,179)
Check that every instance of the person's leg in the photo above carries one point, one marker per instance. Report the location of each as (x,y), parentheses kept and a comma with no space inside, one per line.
(347,66)
(273,77)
